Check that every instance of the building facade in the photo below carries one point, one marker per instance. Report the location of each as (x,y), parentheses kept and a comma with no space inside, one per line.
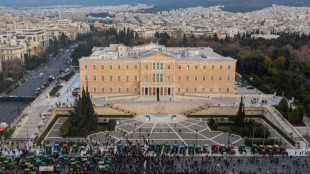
(153,69)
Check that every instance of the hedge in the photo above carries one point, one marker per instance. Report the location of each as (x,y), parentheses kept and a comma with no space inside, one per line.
(248,141)
(67,76)
(9,133)
(55,90)
(49,127)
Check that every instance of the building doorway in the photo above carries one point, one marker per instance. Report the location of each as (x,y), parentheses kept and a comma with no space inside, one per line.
(146,91)
(157,93)
(169,91)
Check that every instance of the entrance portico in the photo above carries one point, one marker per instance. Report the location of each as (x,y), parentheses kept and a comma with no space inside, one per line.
(153,88)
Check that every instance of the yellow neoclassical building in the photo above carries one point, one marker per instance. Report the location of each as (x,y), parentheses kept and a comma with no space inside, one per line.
(153,69)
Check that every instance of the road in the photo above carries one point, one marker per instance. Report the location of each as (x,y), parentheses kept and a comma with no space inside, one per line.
(9,110)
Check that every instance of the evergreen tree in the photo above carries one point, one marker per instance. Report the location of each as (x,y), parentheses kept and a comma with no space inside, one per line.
(239,121)
(184,40)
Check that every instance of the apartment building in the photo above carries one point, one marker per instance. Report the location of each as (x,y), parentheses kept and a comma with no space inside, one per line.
(153,69)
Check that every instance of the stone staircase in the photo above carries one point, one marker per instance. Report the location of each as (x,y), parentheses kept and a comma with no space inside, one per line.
(197,109)
(126,112)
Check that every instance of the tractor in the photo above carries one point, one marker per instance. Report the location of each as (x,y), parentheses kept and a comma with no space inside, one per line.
(16,160)
(65,149)
(75,148)
(183,150)
(214,148)
(205,148)
(89,166)
(283,150)
(230,150)
(21,165)
(254,149)
(158,148)
(191,149)
(56,147)
(120,147)
(48,149)
(198,149)
(2,159)
(242,149)
(261,149)
(167,148)
(74,167)
(151,147)
(7,165)
(269,150)
(276,149)
(222,148)
(174,149)
(58,168)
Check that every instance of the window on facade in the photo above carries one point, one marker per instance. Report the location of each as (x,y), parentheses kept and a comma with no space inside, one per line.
(102,89)
(196,78)
(146,78)
(102,78)
(168,78)
(203,89)
(94,78)
(187,66)
(102,66)
(187,78)
(204,66)
(118,66)
(203,78)
(119,78)
(157,65)
(161,77)
(228,78)
(161,66)
(227,89)
(146,66)
(111,66)
(179,89)
(111,89)
(196,66)
(229,66)
(119,89)
(195,89)
(154,64)
(86,77)
(220,78)
(127,89)
(136,90)
(179,78)
(95,89)
(94,66)
(221,66)
(85,66)
(136,78)
(136,66)
(127,78)
(127,66)
(154,78)
(186,89)
(211,89)
(212,66)
(180,66)
(111,78)
(169,67)
(157,77)
(220,89)
(212,78)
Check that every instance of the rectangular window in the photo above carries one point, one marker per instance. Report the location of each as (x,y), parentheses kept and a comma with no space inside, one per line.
(168,78)
(102,66)
(195,89)
(102,78)
(118,66)
(95,89)
(154,78)
(94,66)
(161,66)
(111,89)
(119,90)
(136,78)
(212,66)
(179,89)
(203,89)
(169,67)
(94,78)
(228,78)
(221,66)
(111,78)
(127,78)
(86,77)
(136,66)
(111,66)
(203,78)
(186,89)
(220,89)
(146,66)
(154,64)
(196,66)
(180,66)
(179,78)
(196,78)
(127,89)
(227,89)
(212,78)
(102,89)
(229,66)
(157,77)
(204,66)
(220,78)
(119,78)
(157,65)
(211,89)
(187,66)
(136,90)
(187,78)
(127,66)
(146,78)
(85,66)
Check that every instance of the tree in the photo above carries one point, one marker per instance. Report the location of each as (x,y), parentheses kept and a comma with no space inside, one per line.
(184,40)
(239,121)
(293,117)
(111,124)
(301,111)
(283,105)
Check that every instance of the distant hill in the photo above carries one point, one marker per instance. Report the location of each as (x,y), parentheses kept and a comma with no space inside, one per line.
(230,5)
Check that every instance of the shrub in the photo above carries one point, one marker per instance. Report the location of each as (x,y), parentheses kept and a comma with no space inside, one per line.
(67,76)
(111,125)
(232,118)
(293,117)
(9,133)
(55,90)
(74,132)
(213,126)
(64,129)
(245,132)
(235,128)
(83,132)
(301,111)
(283,105)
